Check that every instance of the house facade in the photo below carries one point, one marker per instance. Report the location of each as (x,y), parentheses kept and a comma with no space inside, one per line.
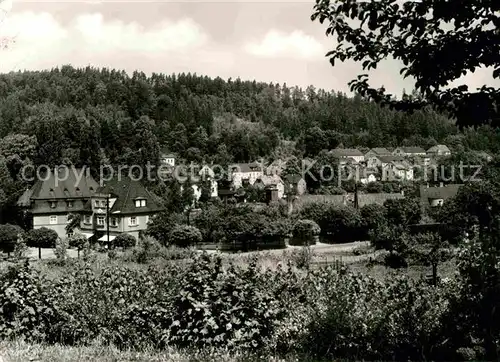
(271,182)
(377,151)
(245,173)
(437,196)
(438,151)
(55,195)
(346,153)
(409,151)
(130,208)
(167,159)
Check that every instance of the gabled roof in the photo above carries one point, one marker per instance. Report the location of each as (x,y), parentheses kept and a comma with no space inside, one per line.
(77,183)
(269,180)
(439,149)
(126,192)
(389,159)
(347,152)
(413,150)
(246,167)
(444,192)
(380,151)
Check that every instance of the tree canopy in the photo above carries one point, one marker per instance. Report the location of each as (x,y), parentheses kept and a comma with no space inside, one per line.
(437,42)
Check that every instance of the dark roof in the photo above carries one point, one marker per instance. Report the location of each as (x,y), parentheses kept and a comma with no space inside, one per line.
(389,159)
(77,184)
(444,192)
(438,148)
(126,192)
(413,149)
(381,151)
(246,167)
(346,152)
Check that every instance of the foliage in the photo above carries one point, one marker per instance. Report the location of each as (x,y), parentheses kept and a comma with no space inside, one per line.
(216,308)
(61,250)
(383,29)
(9,235)
(78,241)
(41,238)
(306,229)
(124,241)
(185,235)
(405,211)
(161,224)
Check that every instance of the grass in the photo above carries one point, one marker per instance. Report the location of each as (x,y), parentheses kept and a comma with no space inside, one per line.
(20,351)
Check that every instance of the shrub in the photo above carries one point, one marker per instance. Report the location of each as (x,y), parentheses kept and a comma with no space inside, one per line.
(147,249)
(41,238)
(79,241)
(305,232)
(223,308)
(185,235)
(61,250)
(124,241)
(9,236)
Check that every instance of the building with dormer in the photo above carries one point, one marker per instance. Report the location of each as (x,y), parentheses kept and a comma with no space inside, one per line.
(129,210)
(55,195)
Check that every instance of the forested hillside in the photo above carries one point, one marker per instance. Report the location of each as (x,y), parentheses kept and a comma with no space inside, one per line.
(85,116)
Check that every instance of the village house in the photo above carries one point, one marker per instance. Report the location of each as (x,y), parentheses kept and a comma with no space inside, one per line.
(275,181)
(409,151)
(167,159)
(348,155)
(55,195)
(437,196)
(130,208)
(377,151)
(294,185)
(375,162)
(438,151)
(245,173)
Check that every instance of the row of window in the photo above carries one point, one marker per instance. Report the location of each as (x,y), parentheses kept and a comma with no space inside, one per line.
(101,220)
(97,203)
(53,204)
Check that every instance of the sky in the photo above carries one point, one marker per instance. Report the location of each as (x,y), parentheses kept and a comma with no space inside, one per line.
(255,40)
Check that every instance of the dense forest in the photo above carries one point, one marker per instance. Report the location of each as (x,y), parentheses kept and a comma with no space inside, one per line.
(73,113)
(93,116)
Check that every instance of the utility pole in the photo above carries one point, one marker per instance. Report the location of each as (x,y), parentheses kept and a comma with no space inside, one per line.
(107,217)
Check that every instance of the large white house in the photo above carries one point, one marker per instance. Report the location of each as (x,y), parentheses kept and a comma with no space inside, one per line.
(245,173)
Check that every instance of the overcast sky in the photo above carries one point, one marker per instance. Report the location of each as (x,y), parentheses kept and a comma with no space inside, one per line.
(265,41)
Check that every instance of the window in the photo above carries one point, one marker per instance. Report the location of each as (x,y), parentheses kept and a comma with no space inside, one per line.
(140,203)
(53,220)
(96,203)
(53,204)
(103,203)
(133,221)
(114,221)
(86,219)
(70,204)
(143,203)
(100,220)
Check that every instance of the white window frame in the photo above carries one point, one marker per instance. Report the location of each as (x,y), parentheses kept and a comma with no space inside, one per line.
(130,223)
(143,203)
(101,218)
(53,219)
(137,203)
(113,221)
(87,219)
(103,203)
(97,203)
